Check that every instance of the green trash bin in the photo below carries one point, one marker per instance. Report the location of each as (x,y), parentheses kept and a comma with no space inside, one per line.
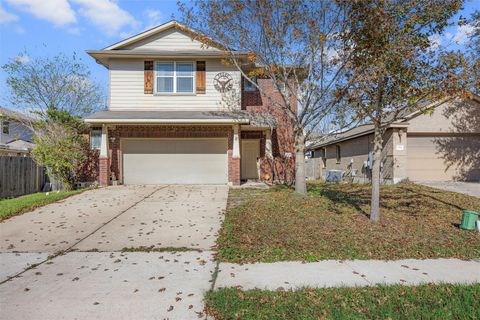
(469,219)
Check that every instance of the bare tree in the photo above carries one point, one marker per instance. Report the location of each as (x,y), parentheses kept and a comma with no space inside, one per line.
(298,44)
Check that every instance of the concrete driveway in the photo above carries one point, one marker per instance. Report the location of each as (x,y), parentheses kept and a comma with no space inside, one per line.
(470,188)
(82,272)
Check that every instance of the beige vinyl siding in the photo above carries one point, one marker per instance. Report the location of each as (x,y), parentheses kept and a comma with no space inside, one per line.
(126,89)
(171,39)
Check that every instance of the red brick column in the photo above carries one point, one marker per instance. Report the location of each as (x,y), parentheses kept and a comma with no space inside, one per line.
(103,172)
(233,169)
(233,163)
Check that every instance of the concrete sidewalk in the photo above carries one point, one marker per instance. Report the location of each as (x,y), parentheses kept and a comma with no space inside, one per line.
(332,273)
(111,285)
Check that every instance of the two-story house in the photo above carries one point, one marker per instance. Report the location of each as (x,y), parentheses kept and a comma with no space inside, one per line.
(178,113)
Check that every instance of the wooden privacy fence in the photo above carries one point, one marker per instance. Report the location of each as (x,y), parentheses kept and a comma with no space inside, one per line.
(313,169)
(19,176)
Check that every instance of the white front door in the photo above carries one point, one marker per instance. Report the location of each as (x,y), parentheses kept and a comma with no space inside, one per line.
(175,161)
(249,155)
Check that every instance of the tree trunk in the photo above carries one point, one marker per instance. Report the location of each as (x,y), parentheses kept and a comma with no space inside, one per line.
(376,159)
(300,179)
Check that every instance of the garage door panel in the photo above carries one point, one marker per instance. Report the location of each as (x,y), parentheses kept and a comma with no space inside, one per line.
(427,162)
(175,161)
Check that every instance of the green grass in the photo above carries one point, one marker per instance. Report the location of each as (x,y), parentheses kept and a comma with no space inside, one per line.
(16,206)
(382,302)
(332,222)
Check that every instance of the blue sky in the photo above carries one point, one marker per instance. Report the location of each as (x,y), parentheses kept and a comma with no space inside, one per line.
(47,27)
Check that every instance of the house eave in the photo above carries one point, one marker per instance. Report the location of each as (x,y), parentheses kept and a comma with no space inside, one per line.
(167,121)
(357,135)
(158,29)
(103,56)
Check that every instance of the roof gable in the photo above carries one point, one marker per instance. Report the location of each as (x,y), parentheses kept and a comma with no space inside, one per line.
(168,36)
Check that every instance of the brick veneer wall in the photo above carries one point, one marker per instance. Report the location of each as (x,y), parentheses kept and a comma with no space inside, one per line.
(282,166)
(161,131)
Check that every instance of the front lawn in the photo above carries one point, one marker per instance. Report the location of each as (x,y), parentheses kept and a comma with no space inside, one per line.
(16,206)
(383,302)
(332,223)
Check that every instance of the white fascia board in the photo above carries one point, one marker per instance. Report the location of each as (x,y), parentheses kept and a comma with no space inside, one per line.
(169,121)
(142,35)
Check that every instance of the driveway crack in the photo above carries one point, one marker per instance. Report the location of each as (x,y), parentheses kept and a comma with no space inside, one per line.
(84,238)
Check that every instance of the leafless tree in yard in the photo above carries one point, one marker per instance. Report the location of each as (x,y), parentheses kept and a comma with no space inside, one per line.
(298,44)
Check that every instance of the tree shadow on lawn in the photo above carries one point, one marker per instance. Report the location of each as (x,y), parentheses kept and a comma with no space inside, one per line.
(353,199)
(432,197)
(399,199)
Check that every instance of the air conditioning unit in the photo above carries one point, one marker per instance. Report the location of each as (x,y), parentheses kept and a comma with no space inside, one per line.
(334,175)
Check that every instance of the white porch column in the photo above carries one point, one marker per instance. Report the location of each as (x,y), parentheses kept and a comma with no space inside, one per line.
(104,142)
(268,144)
(236,142)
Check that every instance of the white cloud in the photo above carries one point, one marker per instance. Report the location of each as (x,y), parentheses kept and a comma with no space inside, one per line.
(463,33)
(22,58)
(74,30)
(19,30)
(7,17)
(58,12)
(154,18)
(332,54)
(106,14)
(435,41)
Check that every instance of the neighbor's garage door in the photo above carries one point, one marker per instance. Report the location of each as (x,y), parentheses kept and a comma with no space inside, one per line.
(426,161)
(174,161)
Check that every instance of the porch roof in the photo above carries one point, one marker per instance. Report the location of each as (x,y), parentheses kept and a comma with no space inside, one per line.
(181,117)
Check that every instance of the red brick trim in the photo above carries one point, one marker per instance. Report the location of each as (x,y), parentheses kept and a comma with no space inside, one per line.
(103,172)
(233,169)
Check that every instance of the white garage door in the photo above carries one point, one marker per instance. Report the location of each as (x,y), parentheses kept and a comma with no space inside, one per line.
(175,161)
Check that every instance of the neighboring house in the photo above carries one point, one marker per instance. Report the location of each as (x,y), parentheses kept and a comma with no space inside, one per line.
(441,145)
(15,137)
(179,114)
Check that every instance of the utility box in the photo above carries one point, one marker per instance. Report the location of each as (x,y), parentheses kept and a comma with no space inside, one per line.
(469,220)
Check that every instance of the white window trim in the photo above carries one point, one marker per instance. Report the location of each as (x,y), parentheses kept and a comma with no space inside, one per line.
(6,125)
(175,79)
(91,140)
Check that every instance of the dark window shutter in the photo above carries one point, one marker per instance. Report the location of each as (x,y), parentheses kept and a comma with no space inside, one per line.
(201,77)
(148,77)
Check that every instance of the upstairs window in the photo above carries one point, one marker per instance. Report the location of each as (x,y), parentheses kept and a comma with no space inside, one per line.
(6,127)
(95,138)
(174,77)
(248,85)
